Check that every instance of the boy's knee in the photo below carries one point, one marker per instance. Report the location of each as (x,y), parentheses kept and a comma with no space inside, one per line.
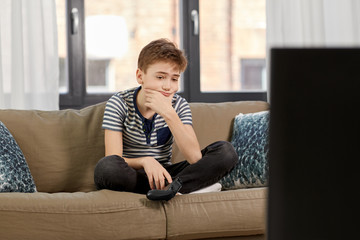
(230,157)
(107,164)
(112,172)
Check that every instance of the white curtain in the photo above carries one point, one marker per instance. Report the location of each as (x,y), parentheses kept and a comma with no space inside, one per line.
(303,23)
(29,62)
(312,23)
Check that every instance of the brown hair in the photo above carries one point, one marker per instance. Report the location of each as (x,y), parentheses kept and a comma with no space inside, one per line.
(161,50)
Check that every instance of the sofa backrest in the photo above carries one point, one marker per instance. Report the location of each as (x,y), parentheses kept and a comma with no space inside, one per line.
(214,121)
(62,147)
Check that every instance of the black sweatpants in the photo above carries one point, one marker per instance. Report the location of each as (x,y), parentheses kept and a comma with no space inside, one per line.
(112,172)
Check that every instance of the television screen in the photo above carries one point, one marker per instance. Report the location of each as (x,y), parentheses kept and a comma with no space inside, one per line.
(314,142)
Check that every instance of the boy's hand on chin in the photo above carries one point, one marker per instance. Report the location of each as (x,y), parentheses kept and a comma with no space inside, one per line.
(158,102)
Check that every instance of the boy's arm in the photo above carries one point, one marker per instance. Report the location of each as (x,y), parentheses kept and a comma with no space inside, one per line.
(184,134)
(113,143)
(153,169)
(185,137)
(114,146)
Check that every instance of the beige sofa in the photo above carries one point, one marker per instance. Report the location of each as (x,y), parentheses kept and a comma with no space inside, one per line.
(62,148)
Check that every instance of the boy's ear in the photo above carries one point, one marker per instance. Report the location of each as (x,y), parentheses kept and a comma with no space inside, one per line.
(139,76)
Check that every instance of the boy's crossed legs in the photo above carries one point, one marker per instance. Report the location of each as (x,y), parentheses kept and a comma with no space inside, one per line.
(218,159)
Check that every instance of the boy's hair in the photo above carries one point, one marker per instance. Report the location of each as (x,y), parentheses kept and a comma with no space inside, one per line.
(161,50)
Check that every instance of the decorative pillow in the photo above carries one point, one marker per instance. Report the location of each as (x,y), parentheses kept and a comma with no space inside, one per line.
(250,140)
(15,175)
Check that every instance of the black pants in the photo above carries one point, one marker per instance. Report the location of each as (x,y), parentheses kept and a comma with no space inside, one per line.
(112,172)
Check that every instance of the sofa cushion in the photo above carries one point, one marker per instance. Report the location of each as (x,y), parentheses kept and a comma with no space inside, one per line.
(250,140)
(61,147)
(95,215)
(208,215)
(15,174)
(214,121)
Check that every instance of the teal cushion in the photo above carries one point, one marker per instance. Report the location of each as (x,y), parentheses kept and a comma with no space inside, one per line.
(250,140)
(15,175)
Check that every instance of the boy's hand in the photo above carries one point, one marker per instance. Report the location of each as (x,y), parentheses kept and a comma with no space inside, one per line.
(156,173)
(158,102)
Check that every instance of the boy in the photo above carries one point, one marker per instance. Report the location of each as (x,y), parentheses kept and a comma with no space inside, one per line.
(142,123)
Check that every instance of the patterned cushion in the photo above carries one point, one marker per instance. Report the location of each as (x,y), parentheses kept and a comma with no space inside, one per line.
(250,140)
(15,175)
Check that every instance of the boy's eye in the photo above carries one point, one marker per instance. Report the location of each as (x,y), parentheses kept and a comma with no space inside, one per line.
(175,79)
(160,77)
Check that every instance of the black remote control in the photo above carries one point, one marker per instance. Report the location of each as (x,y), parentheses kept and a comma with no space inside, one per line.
(168,193)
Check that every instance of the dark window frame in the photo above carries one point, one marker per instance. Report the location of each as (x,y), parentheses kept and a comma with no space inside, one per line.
(77,97)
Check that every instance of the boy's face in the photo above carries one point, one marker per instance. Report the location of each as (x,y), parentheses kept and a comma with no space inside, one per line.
(160,76)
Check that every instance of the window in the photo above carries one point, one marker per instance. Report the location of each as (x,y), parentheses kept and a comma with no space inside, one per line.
(99,42)
(230,31)
(253,75)
(115,32)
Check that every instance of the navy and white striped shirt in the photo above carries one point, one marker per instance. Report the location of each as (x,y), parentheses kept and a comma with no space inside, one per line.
(121,114)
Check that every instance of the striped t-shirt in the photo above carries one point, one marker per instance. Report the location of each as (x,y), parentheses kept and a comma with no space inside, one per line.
(122,114)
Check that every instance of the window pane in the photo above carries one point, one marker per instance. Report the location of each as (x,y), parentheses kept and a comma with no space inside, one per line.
(116,31)
(61,24)
(232,45)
